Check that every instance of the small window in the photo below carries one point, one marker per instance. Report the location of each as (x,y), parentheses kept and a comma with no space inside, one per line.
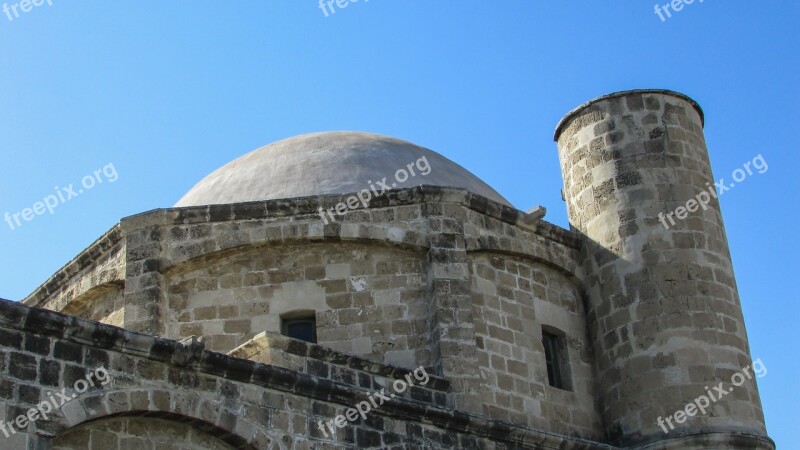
(300,326)
(555,356)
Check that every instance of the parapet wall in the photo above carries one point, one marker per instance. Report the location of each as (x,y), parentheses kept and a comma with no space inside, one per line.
(231,402)
(95,272)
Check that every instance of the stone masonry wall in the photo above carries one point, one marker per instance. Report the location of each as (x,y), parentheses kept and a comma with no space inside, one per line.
(513,298)
(244,404)
(426,219)
(439,257)
(664,314)
(130,433)
(229,271)
(102,303)
(369,299)
(86,279)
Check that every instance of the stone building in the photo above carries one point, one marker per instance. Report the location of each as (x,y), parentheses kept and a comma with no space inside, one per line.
(297,281)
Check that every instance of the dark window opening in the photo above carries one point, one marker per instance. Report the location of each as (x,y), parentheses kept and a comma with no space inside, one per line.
(555,356)
(303,328)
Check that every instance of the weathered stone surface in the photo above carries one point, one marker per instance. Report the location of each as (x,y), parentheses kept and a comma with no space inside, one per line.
(642,302)
(221,402)
(428,277)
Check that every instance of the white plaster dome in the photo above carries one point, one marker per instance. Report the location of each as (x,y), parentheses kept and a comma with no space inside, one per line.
(328,163)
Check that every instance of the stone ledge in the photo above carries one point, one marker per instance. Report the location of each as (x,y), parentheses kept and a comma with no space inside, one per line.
(83,260)
(259,349)
(717,437)
(310,206)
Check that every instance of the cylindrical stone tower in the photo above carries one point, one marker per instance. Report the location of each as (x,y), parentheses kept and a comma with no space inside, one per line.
(664,310)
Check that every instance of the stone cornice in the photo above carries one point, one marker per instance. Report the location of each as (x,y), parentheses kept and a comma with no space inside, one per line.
(85,259)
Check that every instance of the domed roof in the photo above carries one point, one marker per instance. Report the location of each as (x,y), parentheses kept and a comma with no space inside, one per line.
(329,163)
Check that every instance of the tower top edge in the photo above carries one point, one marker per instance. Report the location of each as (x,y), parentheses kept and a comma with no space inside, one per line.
(563,122)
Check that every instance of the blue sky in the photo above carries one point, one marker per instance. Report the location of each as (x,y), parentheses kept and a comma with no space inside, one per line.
(167,93)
